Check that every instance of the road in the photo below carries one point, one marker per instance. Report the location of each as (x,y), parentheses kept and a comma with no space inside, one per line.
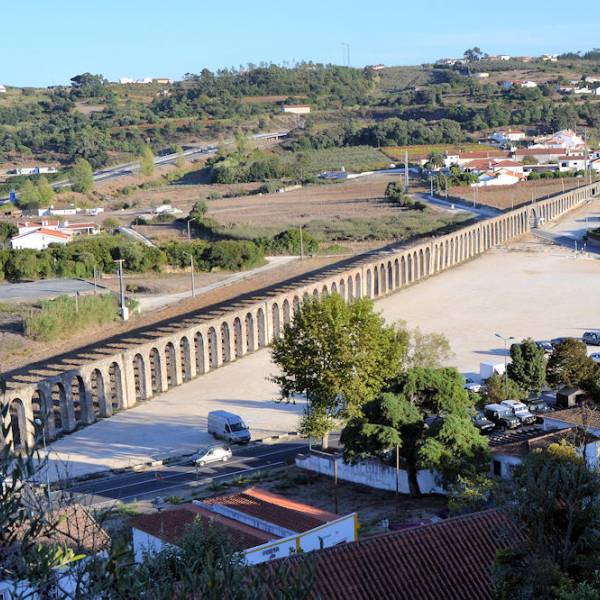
(164,481)
(46,288)
(129,168)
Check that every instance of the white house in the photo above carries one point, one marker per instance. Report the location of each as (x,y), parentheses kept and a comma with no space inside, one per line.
(39,239)
(508,449)
(262,525)
(583,90)
(594,165)
(528,84)
(296,109)
(126,80)
(2,89)
(565,138)
(480,75)
(571,163)
(550,57)
(491,178)
(509,135)
(28,226)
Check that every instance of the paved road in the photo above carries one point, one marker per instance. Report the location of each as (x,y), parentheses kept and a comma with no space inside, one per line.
(166,480)
(43,289)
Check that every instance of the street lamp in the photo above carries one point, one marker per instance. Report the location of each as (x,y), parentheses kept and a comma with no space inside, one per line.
(39,423)
(192,267)
(505,340)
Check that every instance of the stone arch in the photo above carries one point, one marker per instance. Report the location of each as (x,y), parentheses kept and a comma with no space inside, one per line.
(315,293)
(451,251)
(369,283)
(115,380)
(410,268)
(250,333)
(396,273)
(38,407)
(287,317)
(238,340)
(225,342)
(342,290)
(533,220)
(382,279)
(18,423)
(139,378)
(59,407)
(350,294)
(403,270)
(78,399)
(155,371)
(185,357)
(296,304)
(427,261)
(170,364)
(334,289)
(213,352)
(358,287)
(262,328)
(376,286)
(98,394)
(199,351)
(421,263)
(275,320)
(324,291)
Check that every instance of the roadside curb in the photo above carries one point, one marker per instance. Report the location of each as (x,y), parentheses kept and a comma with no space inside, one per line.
(158,462)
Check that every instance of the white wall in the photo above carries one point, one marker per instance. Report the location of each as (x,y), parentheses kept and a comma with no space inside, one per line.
(372,473)
(144,543)
(36,241)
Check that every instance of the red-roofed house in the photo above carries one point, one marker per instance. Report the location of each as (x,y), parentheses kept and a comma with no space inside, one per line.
(39,239)
(27,226)
(262,525)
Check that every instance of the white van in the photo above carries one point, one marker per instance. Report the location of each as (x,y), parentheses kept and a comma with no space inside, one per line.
(228,426)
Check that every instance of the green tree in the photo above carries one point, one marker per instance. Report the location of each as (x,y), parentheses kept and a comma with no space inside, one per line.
(147,161)
(473,54)
(180,162)
(528,366)
(554,500)
(395,193)
(82,176)
(427,416)
(340,355)
(569,364)
(45,192)
(498,388)
(430,350)
(29,196)
(111,223)
(7,230)
(198,212)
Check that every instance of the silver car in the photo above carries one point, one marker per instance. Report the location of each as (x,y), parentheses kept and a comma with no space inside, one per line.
(211,454)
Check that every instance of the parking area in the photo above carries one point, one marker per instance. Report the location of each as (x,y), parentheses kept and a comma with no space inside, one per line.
(530,288)
(43,289)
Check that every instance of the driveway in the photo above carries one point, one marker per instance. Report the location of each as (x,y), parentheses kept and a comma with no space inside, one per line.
(43,289)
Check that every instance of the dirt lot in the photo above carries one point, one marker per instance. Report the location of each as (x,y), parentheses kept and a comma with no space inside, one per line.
(507,196)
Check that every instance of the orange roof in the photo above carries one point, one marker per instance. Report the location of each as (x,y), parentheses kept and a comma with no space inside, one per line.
(44,223)
(275,509)
(534,151)
(80,226)
(484,154)
(51,232)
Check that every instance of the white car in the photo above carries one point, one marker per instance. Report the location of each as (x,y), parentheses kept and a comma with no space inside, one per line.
(211,454)
(472,386)
(595,356)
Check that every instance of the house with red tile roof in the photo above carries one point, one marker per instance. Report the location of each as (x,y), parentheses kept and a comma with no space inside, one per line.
(449,560)
(260,524)
(39,239)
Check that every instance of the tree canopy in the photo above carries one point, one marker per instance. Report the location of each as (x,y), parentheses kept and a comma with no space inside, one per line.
(528,366)
(569,364)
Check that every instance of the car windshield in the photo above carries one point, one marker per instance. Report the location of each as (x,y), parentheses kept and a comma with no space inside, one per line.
(202,451)
(239,426)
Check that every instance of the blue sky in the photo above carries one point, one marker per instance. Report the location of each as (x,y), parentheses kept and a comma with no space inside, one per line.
(45,42)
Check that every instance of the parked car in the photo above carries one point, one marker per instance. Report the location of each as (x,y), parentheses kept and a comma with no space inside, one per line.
(228,426)
(482,422)
(538,408)
(211,454)
(520,411)
(472,386)
(560,340)
(545,345)
(501,415)
(595,356)
(591,338)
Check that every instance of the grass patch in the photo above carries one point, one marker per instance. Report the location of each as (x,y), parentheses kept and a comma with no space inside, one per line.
(62,317)
(355,159)
(424,150)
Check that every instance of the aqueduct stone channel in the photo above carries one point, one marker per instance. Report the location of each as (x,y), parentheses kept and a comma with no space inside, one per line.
(93,383)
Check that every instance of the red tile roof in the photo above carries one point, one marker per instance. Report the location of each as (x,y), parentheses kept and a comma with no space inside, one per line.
(540,151)
(80,226)
(275,509)
(450,560)
(577,416)
(171,525)
(484,154)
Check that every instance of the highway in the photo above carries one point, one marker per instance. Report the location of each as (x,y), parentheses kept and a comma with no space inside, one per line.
(167,480)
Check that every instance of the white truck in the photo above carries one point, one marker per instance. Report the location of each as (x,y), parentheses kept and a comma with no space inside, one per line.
(487,369)
(228,426)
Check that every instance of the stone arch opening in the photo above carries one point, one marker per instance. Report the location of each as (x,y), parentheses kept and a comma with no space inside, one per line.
(225,342)
(342,291)
(250,341)
(358,287)
(59,409)
(38,407)
(139,378)
(296,303)
(427,261)
(315,293)
(287,317)
(18,423)
(237,338)
(115,379)
(185,358)
(170,364)
(97,393)
(213,357)
(369,283)
(403,270)
(334,289)
(262,328)
(396,273)
(155,371)
(275,320)
(324,291)
(421,263)
(350,291)
(410,268)
(78,398)
(199,351)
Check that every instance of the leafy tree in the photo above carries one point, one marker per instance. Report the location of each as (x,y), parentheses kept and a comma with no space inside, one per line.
(554,500)
(427,416)
(198,211)
(431,350)
(496,389)
(7,230)
(111,223)
(528,366)
(87,85)
(29,197)
(82,176)
(569,364)
(340,355)
(45,191)
(473,54)
(180,162)
(147,162)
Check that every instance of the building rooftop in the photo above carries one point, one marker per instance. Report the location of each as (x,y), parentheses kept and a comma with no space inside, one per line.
(578,415)
(275,509)
(484,154)
(450,560)
(170,526)
(43,231)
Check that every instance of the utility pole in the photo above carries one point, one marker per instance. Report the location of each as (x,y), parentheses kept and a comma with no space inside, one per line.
(431,186)
(301,244)
(95,280)
(406,171)
(77,302)
(124,310)
(505,340)
(40,424)
(192,271)
(189,231)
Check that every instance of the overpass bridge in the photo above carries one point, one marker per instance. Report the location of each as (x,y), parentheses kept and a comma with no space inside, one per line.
(94,382)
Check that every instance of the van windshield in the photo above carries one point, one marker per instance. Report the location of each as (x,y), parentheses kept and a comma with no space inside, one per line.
(239,426)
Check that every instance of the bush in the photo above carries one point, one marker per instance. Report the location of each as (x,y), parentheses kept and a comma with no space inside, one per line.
(60,317)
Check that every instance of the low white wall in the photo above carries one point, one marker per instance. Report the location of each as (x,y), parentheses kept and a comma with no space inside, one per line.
(369,472)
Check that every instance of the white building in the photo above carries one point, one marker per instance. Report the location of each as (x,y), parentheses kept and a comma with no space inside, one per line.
(481,75)
(501,177)
(510,135)
(39,239)
(565,138)
(582,91)
(550,57)
(296,109)
(29,226)
(2,89)
(126,80)
(264,526)
(528,84)
(571,163)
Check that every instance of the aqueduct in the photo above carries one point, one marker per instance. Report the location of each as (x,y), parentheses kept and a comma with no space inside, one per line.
(93,383)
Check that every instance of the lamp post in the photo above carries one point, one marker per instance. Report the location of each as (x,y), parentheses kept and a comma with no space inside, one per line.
(39,423)
(505,340)
(192,268)
(124,311)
